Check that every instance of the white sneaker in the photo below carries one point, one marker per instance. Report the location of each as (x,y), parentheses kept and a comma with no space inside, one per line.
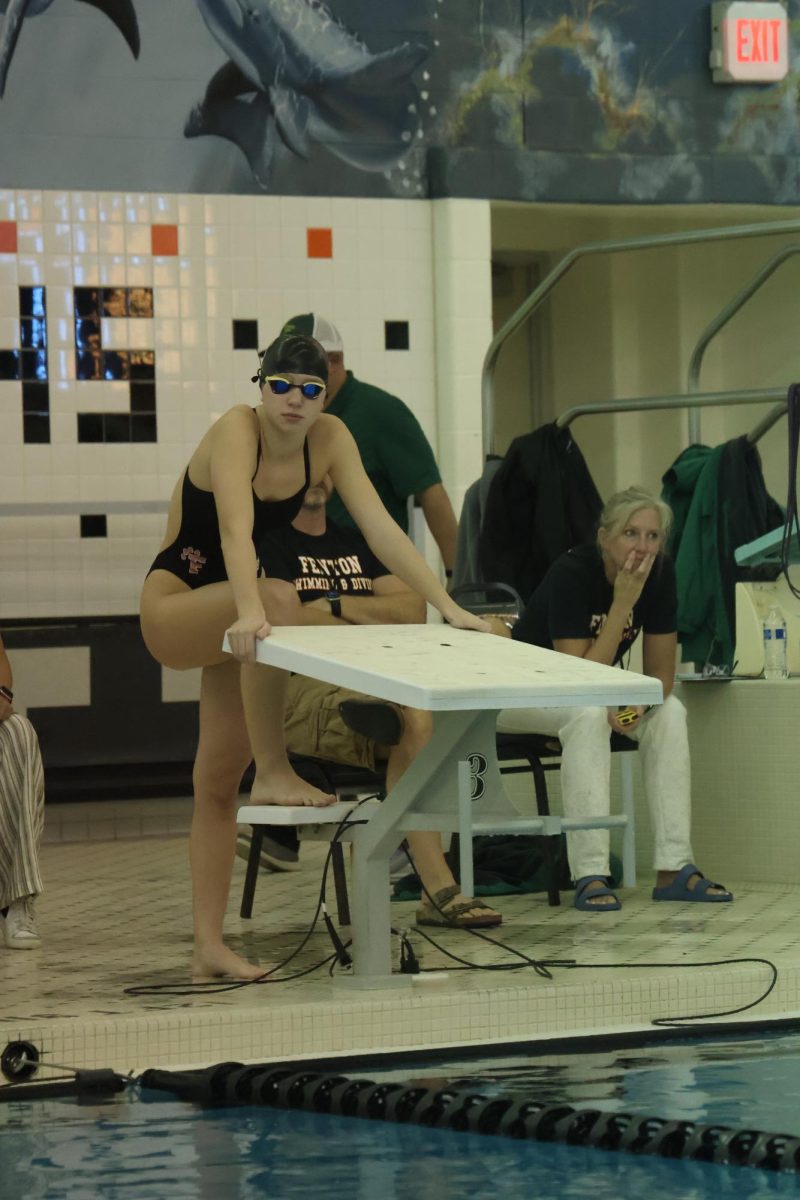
(20,926)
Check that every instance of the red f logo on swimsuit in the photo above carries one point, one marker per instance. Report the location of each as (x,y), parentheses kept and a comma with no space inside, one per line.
(195,558)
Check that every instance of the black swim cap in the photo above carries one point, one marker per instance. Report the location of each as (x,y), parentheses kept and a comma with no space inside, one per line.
(295,354)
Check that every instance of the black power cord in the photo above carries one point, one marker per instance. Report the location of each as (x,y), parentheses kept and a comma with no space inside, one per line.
(541,966)
(409,963)
(214,987)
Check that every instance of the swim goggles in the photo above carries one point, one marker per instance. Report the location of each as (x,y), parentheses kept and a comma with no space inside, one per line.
(281,387)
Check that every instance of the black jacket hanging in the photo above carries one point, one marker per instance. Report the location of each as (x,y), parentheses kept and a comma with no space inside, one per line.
(541,502)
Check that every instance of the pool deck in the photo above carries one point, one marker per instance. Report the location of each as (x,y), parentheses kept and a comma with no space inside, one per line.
(116,915)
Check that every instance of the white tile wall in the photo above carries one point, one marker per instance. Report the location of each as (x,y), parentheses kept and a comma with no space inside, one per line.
(239,257)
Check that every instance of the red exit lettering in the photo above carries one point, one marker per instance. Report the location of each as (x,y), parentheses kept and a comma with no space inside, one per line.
(757,41)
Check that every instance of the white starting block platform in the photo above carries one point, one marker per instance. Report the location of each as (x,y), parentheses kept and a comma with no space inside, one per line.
(465,679)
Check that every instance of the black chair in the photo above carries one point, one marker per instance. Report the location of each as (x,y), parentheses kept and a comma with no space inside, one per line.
(540,752)
(484,599)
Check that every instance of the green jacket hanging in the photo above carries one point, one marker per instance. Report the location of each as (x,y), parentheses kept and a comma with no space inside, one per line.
(691,488)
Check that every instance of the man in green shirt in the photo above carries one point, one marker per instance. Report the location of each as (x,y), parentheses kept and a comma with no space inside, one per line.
(396,454)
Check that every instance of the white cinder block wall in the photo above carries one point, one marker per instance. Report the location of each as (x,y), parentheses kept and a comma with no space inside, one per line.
(462,263)
(231,258)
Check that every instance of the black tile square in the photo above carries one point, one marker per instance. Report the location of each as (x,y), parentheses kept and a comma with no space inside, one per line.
(116,364)
(32,302)
(116,427)
(33,333)
(114,302)
(143,427)
(88,334)
(140,302)
(90,427)
(87,302)
(9,364)
(396,336)
(35,397)
(94,525)
(143,364)
(35,427)
(245,335)
(89,364)
(143,397)
(33,364)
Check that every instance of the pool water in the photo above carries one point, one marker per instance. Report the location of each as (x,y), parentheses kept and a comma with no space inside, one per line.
(739,1082)
(145,1145)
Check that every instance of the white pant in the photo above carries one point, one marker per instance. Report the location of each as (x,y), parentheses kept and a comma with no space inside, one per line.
(585,736)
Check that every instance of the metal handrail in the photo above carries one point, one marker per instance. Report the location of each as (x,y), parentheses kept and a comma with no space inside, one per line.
(529,305)
(764,425)
(719,322)
(641,403)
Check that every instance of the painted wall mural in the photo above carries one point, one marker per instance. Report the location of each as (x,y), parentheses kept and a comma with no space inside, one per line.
(523,99)
(309,80)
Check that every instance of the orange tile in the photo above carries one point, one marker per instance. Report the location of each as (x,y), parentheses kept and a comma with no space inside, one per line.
(320,243)
(8,237)
(164,239)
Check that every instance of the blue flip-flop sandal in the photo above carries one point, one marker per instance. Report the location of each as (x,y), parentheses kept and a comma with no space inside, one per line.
(584,898)
(700,894)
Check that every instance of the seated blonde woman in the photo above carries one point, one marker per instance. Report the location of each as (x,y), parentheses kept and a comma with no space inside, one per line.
(594,602)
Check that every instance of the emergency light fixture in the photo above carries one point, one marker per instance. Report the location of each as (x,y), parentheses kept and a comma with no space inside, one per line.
(749,41)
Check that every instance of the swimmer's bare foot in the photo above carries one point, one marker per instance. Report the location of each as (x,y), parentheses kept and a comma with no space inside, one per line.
(212,962)
(280,785)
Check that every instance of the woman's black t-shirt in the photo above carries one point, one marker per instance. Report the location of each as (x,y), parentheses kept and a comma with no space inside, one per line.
(573,600)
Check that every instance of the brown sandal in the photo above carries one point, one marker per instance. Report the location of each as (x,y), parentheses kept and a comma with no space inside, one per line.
(443,912)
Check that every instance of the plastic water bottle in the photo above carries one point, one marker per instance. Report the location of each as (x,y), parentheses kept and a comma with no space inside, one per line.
(776,663)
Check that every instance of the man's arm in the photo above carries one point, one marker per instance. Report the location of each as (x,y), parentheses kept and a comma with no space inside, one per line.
(392,603)
(441,520)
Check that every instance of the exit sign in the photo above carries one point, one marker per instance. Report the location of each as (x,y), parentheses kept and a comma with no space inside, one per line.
(749,41)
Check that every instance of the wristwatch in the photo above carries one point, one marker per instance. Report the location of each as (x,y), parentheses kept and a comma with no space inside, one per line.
(334,598)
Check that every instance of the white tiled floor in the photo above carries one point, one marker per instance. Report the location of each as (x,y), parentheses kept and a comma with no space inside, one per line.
(116,914)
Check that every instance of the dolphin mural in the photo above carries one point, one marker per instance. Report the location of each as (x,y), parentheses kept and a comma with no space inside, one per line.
(297,75)
(121,12)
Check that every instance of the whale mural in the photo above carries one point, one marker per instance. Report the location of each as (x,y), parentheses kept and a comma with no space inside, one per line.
(297,74)
(551,100)
(121,12)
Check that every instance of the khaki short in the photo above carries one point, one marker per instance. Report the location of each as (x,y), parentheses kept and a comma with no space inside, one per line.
(315,727)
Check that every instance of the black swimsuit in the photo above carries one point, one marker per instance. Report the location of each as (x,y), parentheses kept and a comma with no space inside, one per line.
(196,554)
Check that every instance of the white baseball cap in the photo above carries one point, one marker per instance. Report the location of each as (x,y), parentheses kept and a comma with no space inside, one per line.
(320,328)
